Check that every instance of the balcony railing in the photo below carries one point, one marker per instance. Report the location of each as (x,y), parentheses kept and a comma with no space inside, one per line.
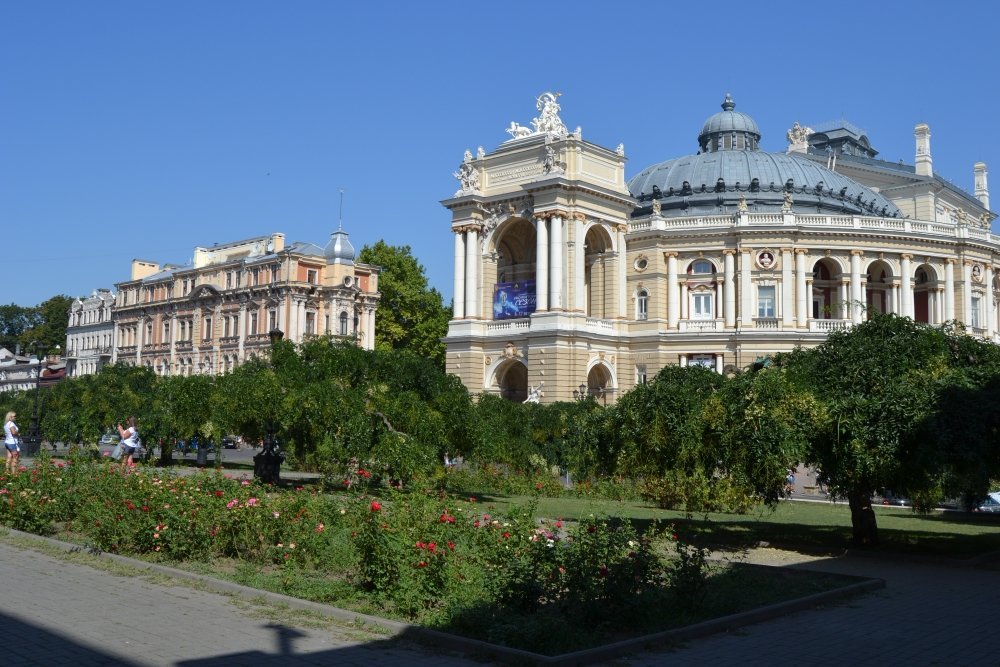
(508,325)
(769,323)
(699,325)
(826,326)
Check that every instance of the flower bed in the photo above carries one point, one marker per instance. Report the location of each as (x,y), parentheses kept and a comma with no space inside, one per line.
(449,563)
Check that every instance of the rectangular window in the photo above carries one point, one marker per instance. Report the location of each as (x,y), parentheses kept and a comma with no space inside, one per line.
(311,276)
(642,306)
(765,301)
(640,374)
(310,323)
(701,307)
(253,324)
(974,320)
(256,276)
(703,360)
(206,329)
(272,320)
(225,321)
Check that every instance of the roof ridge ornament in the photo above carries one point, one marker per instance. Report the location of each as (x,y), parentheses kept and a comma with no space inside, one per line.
(548,122)
(728,104)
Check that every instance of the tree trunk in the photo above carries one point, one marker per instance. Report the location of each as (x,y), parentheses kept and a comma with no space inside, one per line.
(863,518)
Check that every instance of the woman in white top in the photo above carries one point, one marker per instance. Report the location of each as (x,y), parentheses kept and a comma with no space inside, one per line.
(130,442)
(10,434)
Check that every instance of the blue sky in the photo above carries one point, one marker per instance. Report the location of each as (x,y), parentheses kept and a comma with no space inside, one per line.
(141,130)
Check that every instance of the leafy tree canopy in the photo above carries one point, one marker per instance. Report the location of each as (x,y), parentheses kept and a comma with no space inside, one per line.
(411,315)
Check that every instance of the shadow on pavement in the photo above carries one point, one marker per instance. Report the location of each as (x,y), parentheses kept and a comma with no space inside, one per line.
(29,644)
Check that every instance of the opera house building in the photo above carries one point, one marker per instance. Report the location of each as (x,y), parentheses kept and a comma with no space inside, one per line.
(573,280)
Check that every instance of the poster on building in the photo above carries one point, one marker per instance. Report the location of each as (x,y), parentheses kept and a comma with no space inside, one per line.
(513,300)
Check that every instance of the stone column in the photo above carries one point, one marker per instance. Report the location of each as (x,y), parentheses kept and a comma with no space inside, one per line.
(718,299)
(471,272)
(718,364)
(557,263)
(967,292)
(856,293)
(541,264)
(843,307)
(241,327)
(949,289)
(685,302)
(991,325)
(787,312)
(802,308)
(140,339)
(673,292)
(173,341)
(746,296)
(459,286)
(730,289)
(809,296)
(683,359)
(622,273)
(905,288)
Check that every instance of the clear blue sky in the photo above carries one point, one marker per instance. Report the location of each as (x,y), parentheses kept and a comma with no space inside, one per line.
(141,129)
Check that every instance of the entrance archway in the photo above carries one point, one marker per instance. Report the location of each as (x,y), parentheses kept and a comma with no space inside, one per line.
(512,381)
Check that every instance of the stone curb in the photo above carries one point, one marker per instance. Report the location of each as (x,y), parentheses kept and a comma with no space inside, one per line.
(474,647)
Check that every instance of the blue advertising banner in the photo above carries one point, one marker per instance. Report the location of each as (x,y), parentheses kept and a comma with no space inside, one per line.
(513,300)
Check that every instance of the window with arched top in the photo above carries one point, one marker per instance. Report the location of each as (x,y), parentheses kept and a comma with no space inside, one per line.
(343,323)
(921,277)
(642,305)
(701,267)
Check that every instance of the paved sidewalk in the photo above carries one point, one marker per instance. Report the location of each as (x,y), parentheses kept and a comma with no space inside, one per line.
(926,615)
(55,612)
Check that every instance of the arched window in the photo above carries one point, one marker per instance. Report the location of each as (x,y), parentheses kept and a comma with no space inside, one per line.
(702,267)
(343,323)
(642,305)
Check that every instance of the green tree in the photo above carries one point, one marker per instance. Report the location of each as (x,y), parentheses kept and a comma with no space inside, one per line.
(411,315)
(14,321)
(878,382)
(48,323)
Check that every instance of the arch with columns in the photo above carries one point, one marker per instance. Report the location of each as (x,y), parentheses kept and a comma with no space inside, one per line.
(509,378)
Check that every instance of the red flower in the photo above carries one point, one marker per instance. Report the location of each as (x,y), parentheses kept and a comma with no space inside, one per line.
(538,486)
(421,564)
(376,506)
(591,529)
(218,494)
(472,499)
(475,524)
(558,524)
(506,534)
(432,546)
(145,509)
(451,545)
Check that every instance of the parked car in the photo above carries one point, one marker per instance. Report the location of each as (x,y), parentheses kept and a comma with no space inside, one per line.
(231,442)
(109,439)
(991,504)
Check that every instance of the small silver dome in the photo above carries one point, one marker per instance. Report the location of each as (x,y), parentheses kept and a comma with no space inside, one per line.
(729,122)
(339,250)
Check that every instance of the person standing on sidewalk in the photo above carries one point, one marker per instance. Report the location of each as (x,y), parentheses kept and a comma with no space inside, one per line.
(130,442)
(10,438)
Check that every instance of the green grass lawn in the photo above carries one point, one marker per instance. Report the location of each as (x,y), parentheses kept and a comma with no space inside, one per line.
(811,525)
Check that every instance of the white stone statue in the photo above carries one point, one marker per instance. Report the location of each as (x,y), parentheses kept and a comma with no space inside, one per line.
(534,393)
(742,205)
(551,165)
(786,207)
(480,153)
(798,137)
(518,131)
(468,177)
(656,207)
(621,149)
(467,156)
(549,120)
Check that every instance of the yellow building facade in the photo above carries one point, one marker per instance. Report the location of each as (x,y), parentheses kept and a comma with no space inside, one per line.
(572,281)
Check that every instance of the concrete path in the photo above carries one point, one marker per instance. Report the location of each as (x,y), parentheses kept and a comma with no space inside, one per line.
(55,612)
(926,615)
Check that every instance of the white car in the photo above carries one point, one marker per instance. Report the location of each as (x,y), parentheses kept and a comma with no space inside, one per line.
(991,504)
(109,439)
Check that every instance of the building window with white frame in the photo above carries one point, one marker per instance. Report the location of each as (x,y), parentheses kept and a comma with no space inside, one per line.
(702,306)
(253,324)
(310,323)
(206,329)
(642,305)
(765,301)
(343,323)
(272,320)
(975,321)
(640,374)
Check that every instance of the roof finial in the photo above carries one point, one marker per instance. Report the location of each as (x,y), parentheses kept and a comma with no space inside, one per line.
(728,105)
(340,226)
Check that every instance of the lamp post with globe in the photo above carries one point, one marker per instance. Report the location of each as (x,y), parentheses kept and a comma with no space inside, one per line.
(33,439)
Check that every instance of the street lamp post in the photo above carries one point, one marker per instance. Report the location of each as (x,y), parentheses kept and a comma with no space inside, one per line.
(33,440)
(267,464)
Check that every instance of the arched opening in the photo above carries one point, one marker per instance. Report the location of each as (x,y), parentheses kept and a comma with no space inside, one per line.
(924,294)
(642,304)
(878,291)
(827,302)
(514,279)
(598,274)
(599,383)
(512,380)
